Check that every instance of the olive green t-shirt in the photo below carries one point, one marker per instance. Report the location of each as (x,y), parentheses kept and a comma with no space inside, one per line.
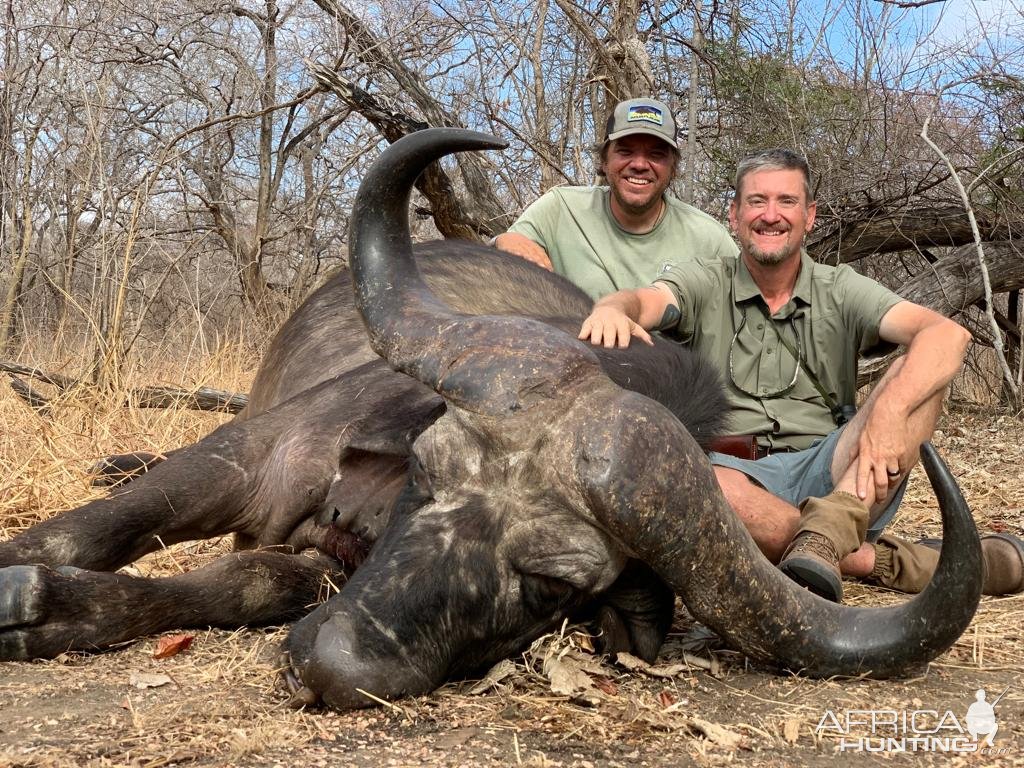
(576,227)
(831,319)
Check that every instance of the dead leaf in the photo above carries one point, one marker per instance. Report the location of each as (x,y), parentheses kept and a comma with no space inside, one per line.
(586,642)
(666,699)
(791,730)
(631,662)
(606,685)
(171,645)
(590,664)
(665,671)
(567,678)
(716,733)
(494,675)
(148,679)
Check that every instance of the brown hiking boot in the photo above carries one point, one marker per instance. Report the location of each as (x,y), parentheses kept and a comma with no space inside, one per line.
(811,561)
(830,528)
(1002,562)
(903,566)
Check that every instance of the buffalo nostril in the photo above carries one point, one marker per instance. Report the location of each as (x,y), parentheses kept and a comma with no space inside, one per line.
(335,516)
(343,674)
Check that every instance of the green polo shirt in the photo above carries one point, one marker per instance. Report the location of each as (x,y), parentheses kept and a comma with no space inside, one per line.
(586,245)
(832,318)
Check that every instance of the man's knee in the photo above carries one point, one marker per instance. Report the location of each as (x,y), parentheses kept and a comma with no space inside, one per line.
(734,484)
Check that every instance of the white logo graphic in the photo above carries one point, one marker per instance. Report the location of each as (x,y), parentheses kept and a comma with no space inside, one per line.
(981,717)
(918,730)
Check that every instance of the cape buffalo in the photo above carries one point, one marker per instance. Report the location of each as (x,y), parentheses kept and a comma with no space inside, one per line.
(506,476)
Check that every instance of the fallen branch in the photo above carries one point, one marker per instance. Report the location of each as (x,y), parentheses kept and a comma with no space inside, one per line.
(199,399)
(40,403)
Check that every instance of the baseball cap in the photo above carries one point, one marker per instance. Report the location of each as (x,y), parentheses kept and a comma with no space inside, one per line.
(648,116)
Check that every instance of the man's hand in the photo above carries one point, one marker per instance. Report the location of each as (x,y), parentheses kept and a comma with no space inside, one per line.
(611,327)
(524,247)
(884,454)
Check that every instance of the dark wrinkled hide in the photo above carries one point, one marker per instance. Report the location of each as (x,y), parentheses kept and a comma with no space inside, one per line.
(326,438)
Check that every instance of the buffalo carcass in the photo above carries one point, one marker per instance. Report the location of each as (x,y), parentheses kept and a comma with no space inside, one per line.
(505,481)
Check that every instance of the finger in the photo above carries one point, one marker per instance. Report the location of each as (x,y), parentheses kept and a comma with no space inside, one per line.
(638,331)
(881,484)
(863,477)
(587,331)
(625,333)
(610,333)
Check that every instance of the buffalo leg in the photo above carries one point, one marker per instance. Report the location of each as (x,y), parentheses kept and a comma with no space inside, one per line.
(45,612)
(207,489)
(112,471)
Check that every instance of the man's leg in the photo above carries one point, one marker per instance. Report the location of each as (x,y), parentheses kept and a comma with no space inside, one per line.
(773,522)
(770,521)
(920,425)
(829,527)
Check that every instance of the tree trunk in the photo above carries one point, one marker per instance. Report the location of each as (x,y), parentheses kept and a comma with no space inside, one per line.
(19,260)
(693,105)
(904,229)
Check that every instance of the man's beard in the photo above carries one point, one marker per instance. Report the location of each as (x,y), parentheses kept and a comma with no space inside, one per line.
(772,258)
(635,209)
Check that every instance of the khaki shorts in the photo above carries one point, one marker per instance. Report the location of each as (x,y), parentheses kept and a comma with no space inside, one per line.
(794,476)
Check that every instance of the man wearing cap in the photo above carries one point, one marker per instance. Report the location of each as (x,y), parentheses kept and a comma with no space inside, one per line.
(622,235)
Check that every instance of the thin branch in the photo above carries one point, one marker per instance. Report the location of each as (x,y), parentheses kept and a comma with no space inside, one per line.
(909,3)
(997,338)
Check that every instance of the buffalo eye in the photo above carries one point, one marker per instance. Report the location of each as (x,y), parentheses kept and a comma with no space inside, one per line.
(542,594)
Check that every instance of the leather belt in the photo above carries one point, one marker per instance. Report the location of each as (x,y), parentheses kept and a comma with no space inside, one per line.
(743,447)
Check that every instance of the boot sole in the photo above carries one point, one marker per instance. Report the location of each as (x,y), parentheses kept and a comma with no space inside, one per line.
(814,575)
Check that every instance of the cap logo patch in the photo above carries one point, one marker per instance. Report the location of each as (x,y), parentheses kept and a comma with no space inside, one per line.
(645,113)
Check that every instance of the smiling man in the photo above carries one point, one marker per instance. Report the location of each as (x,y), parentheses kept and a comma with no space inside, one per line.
(622,235)
(814,487)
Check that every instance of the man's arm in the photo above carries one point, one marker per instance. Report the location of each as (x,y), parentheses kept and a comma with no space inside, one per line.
(936,347)
(522,246)
(620,316)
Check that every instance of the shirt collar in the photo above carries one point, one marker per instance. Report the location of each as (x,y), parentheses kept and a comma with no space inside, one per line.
(744,288)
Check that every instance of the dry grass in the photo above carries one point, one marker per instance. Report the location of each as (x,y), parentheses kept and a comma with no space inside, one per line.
(223,706)
(46,459)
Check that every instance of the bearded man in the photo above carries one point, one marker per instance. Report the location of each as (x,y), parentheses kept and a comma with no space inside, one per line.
(814,487)
(622,235)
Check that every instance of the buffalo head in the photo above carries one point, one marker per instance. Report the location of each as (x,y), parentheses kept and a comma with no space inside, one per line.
(538,484)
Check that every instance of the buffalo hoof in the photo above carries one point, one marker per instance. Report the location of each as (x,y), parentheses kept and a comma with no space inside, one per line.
(23,591)
(30,626)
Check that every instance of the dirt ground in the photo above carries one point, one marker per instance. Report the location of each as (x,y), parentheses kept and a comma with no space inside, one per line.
(219,702)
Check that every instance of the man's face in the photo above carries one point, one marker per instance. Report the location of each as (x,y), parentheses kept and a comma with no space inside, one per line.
(771,215)
(639,169)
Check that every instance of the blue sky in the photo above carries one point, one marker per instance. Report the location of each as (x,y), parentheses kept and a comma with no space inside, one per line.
(920,47)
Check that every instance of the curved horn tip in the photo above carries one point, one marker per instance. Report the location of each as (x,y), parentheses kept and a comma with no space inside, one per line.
(454,139)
